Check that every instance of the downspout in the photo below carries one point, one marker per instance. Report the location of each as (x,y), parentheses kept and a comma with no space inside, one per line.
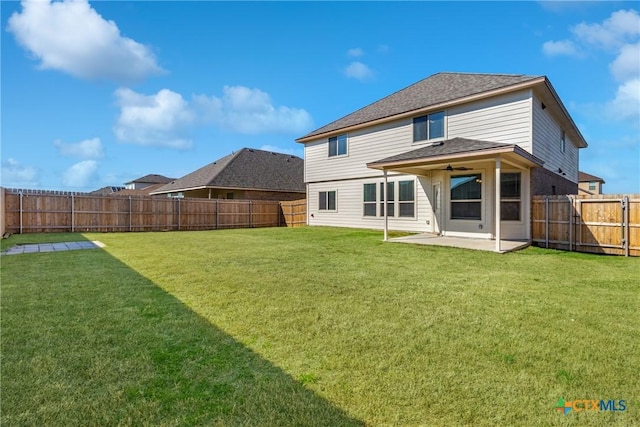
(497,209)
(384,208)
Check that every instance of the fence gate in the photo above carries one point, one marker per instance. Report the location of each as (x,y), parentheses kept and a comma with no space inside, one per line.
(600,224)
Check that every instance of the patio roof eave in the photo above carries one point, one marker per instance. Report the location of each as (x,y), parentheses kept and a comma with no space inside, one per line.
(512,153)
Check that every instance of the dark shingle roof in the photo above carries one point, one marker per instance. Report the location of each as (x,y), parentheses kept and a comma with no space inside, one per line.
(152,178)
(436,89)
(585,177)
(105,191)
(247,168)
(454,146)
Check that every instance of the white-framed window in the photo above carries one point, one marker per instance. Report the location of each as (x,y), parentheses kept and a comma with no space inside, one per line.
(370,199)
(510,196)
(338,145)
(592,186)
(466,196)
(390,199)
(327,200)
(406,199)
(563,143)
(428,127)
(402,207)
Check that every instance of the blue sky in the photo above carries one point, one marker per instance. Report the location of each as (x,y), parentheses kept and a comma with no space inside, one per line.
(96,94)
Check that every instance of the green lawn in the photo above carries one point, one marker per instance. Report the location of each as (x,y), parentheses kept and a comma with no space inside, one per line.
(313,326)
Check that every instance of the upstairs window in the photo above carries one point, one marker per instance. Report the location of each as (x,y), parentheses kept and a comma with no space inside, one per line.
(562,142)
(592,186)
(338,145)
(428,127)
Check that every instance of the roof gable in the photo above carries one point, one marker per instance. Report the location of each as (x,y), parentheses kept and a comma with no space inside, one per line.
(586,177)
(152,178)
(247,168)
(434,90)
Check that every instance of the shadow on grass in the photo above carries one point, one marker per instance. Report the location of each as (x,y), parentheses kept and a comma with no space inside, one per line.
(88,341)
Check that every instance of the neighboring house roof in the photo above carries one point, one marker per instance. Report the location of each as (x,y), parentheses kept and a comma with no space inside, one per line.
(139,192)
(247,168)
(152,178)
(106,191)
(585,177)
(438,91)
(456,148)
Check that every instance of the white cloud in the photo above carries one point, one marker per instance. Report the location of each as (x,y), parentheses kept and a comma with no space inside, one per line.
(86,149)
(80,175)
(358,70)
(621,27)
(275,149)
(164,119)
(17,175)
(155,120)
(251,111)
(618,35)
(70,36)
(627,64)
(355,52)
(626,104)
(562,47)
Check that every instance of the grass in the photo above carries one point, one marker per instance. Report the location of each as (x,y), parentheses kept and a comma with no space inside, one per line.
(314,326)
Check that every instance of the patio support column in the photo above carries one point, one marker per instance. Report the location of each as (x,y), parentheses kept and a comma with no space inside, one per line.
(497,208)
(384,207)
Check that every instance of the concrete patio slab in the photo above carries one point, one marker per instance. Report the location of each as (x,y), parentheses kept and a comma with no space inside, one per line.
(462,242)
(52,247)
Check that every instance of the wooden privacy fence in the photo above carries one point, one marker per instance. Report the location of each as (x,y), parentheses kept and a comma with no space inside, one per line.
(44,213)
(608,224)
(294,213)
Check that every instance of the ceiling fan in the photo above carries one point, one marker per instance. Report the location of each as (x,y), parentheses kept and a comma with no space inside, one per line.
(449,168)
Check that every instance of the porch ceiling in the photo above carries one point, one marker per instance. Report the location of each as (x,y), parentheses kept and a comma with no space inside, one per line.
(456,151)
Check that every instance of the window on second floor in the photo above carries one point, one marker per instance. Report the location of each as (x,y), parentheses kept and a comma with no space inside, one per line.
(563,142)
(592,186)
(338,145)
(428,127)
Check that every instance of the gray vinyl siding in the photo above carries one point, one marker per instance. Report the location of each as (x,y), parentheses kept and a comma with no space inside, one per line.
(350,202)
(505,119)
(546,144)
(364,146)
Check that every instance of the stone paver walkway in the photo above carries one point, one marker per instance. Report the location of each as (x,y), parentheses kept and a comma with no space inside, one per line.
(52,247)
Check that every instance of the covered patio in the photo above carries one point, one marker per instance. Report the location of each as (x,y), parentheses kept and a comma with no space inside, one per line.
(478,192)
(461,242)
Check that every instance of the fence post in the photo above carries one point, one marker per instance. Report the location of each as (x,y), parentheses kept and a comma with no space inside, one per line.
(250,214)
(73,221)
(625,219)
(130,214)
(217,212)
(546,221)
(179,219)
(20,212)
(571,209)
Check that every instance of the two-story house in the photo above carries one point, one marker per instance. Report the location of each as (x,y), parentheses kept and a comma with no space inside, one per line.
(454,154)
